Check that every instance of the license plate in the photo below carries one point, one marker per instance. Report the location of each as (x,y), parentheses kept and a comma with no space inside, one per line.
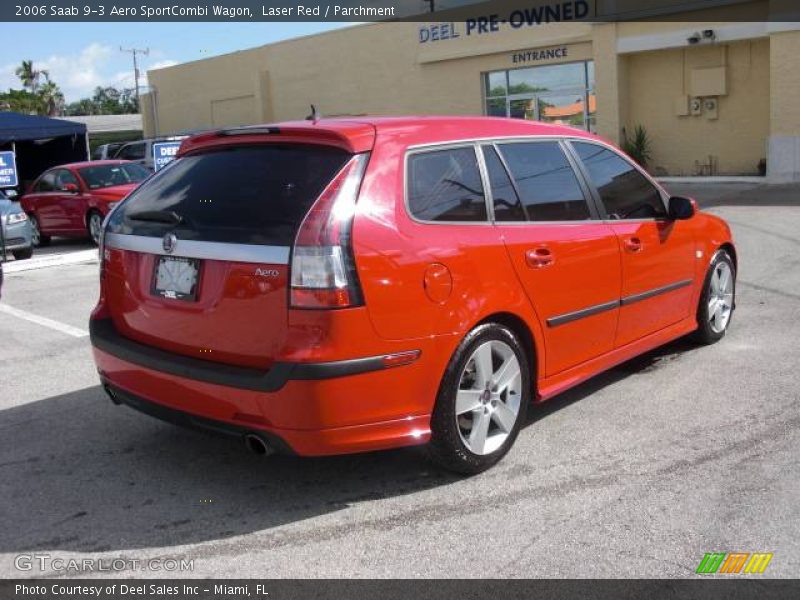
(176,278)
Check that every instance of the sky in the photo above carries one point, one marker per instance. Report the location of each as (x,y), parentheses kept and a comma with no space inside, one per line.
(82,56)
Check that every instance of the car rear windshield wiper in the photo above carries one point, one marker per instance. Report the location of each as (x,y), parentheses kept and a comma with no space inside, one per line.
(169,217)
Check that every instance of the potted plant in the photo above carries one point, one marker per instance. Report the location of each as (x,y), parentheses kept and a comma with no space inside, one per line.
(638,147)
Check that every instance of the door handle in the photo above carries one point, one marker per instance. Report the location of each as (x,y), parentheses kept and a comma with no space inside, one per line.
(539,257)
(633,244)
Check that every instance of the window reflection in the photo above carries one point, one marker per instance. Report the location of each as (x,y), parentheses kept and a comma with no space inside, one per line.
(561,94)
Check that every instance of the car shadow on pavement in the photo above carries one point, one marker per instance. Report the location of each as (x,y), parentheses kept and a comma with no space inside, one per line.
(83,475)
(644,363)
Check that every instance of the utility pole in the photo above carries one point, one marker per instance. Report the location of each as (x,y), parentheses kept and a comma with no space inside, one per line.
(136,51)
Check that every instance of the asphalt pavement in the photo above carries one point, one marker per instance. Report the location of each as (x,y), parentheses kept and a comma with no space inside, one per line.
(636,473)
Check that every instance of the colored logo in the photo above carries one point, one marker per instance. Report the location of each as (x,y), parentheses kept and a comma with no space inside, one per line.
(733,563)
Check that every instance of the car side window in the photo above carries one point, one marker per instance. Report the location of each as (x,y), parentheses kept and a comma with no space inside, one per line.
(46,183)
(63,177)
(445,185)
(507,206)
(625,192)
(547,184)
(132,152)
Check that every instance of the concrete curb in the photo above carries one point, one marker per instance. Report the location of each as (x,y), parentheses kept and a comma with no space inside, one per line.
(52,260)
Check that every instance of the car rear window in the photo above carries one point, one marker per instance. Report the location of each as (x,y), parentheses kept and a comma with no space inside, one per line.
(246,195)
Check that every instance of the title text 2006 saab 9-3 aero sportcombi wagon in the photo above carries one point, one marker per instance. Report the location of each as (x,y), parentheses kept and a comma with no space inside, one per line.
(335,286)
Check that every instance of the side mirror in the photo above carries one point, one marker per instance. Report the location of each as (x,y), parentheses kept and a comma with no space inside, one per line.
(11,194)
(70,188)
(681,208)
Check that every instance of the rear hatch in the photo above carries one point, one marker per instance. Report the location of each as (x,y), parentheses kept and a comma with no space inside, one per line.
(196,259)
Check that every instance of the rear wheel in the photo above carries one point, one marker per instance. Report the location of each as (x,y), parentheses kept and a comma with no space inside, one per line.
(482,401)
(37,237)
(94,224)
(717,301)
(23,254)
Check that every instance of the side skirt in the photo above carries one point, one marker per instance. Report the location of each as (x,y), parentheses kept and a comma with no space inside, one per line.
(555,384)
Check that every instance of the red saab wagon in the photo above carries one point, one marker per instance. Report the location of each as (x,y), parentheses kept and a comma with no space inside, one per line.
(349,285)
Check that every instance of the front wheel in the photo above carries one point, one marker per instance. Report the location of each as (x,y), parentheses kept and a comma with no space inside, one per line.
(482,401)
(717,300)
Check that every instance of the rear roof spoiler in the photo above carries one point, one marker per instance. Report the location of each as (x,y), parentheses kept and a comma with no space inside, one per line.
(352,136)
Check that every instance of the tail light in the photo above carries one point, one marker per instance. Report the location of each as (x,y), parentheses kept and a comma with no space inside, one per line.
(323,267)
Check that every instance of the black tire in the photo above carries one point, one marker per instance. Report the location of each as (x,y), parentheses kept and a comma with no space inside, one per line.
(39,239)
(705,333)
(446,447)
(23,254)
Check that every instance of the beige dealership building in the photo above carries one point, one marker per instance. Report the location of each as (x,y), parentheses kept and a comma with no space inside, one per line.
(717,89)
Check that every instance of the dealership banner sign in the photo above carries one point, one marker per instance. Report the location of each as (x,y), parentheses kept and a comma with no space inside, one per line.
(8,170)
(477,17)
(164,153)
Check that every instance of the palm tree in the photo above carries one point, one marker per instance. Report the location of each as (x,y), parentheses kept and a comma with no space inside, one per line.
(51,97)
(30,77)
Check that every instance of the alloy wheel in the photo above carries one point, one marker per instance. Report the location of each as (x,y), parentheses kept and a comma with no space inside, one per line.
(488,397)
(95,226)
(36,237)
(720,297)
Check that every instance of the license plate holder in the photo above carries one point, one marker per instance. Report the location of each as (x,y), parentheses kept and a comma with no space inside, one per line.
(176,278)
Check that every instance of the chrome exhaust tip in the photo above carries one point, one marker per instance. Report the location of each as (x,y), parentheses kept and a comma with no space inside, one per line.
(255,444)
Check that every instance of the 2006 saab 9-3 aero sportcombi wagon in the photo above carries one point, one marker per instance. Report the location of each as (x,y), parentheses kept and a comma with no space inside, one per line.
(335,286)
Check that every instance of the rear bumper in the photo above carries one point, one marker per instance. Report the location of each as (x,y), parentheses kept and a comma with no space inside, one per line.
(309,409)
(105,337)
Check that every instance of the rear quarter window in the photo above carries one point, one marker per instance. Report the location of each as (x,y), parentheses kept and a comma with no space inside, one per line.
(248,194)
(445,185)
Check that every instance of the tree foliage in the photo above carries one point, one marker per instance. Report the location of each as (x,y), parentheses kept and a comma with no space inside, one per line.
(105,101)
(40,95)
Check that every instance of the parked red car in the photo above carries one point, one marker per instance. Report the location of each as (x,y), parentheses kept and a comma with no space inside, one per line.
(72,200)
(348,285)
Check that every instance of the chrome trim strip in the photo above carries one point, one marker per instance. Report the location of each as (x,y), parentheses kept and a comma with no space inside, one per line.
(248,253)
(598,308)
(580,314)
(655,292)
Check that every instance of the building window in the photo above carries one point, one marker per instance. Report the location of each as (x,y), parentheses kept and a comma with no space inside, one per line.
(562,94)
